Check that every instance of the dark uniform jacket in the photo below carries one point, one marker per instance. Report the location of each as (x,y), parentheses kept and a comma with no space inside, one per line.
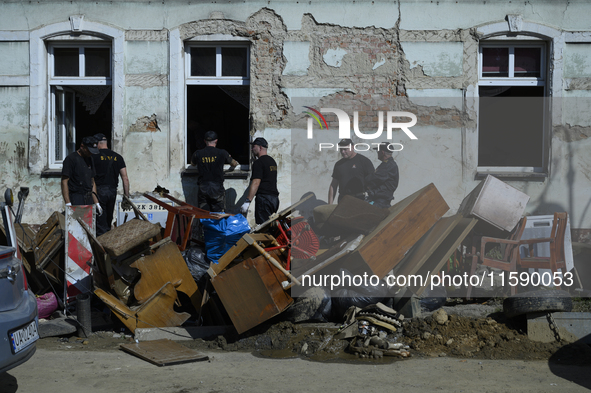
(383,182)
(210,163)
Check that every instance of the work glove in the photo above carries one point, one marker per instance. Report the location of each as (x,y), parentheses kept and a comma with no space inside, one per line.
(125,205)
(244,207)
(69,204)
(99,209)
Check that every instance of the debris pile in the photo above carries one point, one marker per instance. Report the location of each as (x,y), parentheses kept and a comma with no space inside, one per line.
(154,277)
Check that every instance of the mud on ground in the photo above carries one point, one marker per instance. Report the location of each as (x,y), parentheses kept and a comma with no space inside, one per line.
(462,335)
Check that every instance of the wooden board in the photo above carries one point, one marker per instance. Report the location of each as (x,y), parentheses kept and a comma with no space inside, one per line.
(155,312)
(25,236)
(163,352)
(388,243)
(50,244)
(443,252)
(251,292)
(237,249)
(55,220)
(166,265)
(421,251)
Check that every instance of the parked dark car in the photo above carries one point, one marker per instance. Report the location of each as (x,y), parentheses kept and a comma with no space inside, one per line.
(19,320)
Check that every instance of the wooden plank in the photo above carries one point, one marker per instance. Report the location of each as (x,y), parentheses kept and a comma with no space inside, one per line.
(408,221)
(25,237)
(166,265)
(443,252)
(50,244)
(237,249)
(415,259)
(55,220)
(163,352)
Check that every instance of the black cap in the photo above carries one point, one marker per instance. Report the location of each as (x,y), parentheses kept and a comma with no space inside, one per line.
(261,142)
(90,143)
(345,142)
(210,136)
(384,146)
(100,137)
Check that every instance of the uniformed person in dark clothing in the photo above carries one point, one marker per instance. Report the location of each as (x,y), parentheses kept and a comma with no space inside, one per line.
(349,173)
(210,165)
(263,183)
(109,166)
(381,184)
(78,187)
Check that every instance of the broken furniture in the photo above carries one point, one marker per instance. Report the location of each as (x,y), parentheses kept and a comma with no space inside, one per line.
(249,240)
(295,236)
(165,265)
(179,223)
(509,253)
(556,260)
(43,252)
(115,250)
(408,220)
(252,290)
(129,259)
(496,203)
(518,253)
(156,311)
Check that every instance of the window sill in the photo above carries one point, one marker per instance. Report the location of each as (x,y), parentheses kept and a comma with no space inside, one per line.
(51,173)
(236,174)
(515,176)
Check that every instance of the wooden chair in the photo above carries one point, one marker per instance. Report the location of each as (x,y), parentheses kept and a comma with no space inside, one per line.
(510,253)
(556,260)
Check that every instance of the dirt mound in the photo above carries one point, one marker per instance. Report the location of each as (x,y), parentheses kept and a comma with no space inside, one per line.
(459,336)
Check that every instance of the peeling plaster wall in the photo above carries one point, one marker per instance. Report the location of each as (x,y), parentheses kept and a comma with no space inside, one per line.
(435,58)
(419,56)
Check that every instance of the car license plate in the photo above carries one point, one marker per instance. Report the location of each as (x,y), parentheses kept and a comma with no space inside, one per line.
(24,336)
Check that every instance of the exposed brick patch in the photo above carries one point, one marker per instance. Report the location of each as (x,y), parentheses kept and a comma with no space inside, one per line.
(145,124)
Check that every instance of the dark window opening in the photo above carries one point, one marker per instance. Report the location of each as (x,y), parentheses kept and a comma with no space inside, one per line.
(99,121)
(511,126)
(80,111)
(223,109)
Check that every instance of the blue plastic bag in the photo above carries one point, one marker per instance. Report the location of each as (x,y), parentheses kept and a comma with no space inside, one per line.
(221,235)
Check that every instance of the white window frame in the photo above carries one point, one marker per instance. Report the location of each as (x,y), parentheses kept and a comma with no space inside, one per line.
(214,80)
(80,80)
(218,79)
(511,80)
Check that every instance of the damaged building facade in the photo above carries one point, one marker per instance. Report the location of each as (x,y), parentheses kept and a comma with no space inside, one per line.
(153,76)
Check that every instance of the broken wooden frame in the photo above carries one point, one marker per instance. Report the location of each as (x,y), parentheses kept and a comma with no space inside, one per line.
(179,223)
